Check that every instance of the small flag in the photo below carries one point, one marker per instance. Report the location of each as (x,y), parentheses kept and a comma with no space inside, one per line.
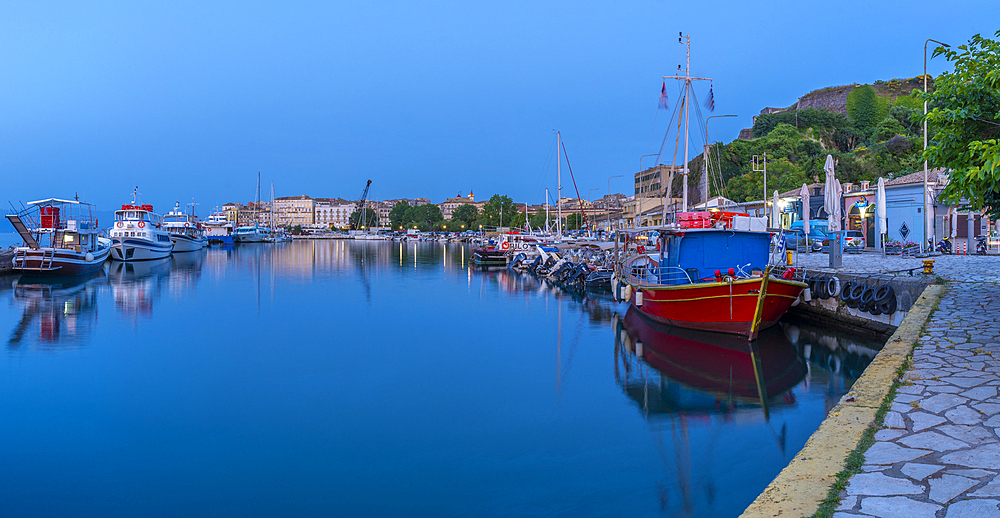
(710,102)
(663,97)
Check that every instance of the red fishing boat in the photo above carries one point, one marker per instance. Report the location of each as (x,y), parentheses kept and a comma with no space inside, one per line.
(709,271)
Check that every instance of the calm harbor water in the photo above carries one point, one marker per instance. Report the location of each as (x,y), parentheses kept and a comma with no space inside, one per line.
(321,378)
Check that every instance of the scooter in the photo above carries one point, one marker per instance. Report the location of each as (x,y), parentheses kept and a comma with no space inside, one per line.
(944,246)
(981,245)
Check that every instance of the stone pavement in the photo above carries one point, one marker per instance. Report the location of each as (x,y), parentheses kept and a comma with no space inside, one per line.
(964,268)
(938,454)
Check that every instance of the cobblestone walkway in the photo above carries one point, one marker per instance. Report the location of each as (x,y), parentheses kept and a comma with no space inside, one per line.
(966,268)
(939,454)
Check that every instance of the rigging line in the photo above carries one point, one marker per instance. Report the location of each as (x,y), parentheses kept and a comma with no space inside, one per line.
(541,174)
(670,125)
(580,200)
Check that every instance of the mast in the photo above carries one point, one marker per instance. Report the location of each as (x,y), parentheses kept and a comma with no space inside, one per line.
(687,124)
(546,209)
(559,192)
(256,203)
(687,78)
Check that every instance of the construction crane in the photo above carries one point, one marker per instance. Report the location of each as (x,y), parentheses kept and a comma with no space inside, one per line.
(361,205)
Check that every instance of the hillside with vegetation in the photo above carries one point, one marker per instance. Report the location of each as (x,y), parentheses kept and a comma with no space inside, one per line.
(879,133)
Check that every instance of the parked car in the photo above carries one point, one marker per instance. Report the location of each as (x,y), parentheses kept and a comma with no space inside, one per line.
(817,233)
(854,238)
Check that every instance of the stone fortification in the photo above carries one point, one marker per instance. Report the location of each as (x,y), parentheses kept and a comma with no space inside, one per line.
(833,99)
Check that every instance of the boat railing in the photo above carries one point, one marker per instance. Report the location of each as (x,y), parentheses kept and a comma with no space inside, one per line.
(654,274)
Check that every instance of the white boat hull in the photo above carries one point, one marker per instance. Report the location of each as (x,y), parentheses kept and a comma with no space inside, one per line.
(184,243)
(132,249)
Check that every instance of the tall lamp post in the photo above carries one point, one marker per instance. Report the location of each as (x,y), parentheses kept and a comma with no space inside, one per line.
(639,213)
(928,222)
(609,195)
(704,161)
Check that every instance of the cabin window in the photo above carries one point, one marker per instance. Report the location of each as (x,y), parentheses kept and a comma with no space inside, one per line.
(68,238)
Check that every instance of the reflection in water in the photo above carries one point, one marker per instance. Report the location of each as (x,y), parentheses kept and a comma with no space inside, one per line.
(716,421)
(135,285)
(683,379)
(56,311)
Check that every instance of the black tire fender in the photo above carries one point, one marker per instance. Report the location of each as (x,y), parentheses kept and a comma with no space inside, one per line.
(845,291)
(883,293)
(888,307)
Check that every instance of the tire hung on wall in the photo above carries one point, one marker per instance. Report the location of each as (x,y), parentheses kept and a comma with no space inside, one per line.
(883,293)
(888,307)
(845,291)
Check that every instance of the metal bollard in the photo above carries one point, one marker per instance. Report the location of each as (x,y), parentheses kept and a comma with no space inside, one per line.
(788,257)
(928,266)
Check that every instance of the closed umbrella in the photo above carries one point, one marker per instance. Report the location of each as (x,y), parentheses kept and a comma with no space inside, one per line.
(832,194)
(775,215)
(804,193)
(880,210)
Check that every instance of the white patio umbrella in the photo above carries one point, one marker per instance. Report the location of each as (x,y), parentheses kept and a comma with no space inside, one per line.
(880,210)
(804,193)
(775,215)
(832,193)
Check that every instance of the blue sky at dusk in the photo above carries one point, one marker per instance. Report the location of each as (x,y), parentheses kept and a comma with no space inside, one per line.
(192,99)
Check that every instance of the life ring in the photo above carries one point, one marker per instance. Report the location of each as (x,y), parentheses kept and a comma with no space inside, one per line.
(119,224)
(641,249)
(505,245)
(187,224)
(142,224)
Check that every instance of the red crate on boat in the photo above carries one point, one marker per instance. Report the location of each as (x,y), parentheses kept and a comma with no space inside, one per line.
(50,217)
(725,217)
(694,219)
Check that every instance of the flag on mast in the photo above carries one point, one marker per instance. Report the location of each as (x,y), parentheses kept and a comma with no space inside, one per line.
(710,102)
(663,97)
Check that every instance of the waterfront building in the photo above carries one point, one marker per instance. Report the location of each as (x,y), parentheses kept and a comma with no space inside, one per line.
(451,204)
(332,213)
(652,182)
(290,211)
(231,210)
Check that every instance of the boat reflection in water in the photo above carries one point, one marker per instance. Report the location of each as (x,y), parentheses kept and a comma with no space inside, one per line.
(136,284)
(733,412)
(57,311)
(701,371)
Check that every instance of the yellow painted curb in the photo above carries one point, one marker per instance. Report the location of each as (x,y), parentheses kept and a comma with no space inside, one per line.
(801,487)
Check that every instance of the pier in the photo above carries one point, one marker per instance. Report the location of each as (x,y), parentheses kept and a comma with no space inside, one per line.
(917,435)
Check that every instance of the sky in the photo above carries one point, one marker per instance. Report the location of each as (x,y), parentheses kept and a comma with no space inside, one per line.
(190,100)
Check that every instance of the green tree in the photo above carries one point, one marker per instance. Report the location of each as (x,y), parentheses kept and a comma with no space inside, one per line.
(574,221)
(425,217)
(966,119)
(370,219)
(537,219)
(397,214)
(498,206)
(465,215)
(886,129)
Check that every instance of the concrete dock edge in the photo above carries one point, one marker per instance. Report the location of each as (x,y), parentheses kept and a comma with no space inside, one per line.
(801,487)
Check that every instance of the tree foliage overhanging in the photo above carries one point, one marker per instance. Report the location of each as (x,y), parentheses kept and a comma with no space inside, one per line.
(966,116)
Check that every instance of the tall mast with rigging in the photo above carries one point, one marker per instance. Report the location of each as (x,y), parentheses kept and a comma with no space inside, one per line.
(559,192)
(687,78)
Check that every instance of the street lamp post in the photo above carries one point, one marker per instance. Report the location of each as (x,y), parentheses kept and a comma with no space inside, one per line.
(638,198)
(704,161)
(928,222)
(609,195)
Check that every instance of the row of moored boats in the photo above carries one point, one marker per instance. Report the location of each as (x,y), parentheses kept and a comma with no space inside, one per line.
(63,237)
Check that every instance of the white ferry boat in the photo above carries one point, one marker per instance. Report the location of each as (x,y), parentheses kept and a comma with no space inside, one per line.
(185,230)
(137,235)
(218,228)
(251,234)
(60,238)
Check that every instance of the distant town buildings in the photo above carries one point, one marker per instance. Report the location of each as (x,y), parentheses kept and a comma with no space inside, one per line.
(335,213)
